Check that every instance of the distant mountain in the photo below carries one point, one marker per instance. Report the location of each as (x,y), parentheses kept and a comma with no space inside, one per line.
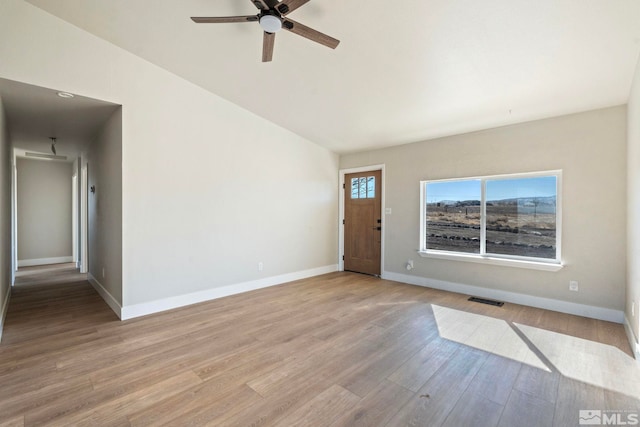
(520,201)
(458,203)
(526,201)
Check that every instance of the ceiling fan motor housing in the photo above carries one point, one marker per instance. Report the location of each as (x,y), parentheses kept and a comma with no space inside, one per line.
(270,21)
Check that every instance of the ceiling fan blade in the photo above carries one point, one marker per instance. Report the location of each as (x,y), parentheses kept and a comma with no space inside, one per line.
(310,33)
(285,7)
(260,4)
(224,19)
(267,46)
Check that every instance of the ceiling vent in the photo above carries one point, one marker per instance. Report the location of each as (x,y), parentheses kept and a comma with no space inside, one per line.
(45,156)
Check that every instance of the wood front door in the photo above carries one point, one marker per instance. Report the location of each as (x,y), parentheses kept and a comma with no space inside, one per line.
(362,222)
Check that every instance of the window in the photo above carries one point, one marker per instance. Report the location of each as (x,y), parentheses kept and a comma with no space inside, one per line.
(363,188)
(508,216)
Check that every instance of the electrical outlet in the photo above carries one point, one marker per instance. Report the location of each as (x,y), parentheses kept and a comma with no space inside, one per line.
(260,266)
(573,286)
(410,264)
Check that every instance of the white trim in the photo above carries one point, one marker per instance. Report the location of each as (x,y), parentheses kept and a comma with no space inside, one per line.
(44,261)
(14,220)
(4,309)
(106,296)
(84,215)
(146,308)
(483,217)
(483,259)
(341,191)
(633,341)
(74,215)
(600,313)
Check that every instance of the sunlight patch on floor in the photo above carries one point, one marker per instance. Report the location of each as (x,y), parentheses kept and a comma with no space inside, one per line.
(587,361)
(485,333)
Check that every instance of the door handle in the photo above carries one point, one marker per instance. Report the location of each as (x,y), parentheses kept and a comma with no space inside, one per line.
(377,228)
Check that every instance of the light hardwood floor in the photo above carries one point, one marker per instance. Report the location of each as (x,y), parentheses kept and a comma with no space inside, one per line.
(336,350)
(49,275)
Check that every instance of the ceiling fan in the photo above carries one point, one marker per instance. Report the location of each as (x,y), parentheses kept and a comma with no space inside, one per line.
(272,18)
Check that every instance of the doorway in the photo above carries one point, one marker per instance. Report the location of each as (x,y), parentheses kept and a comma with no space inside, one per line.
(44,195)
(362,232)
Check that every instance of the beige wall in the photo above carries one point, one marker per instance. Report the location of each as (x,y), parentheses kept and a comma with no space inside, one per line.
(590,149)
(5,215)
(209,189)
(44,209)
(633,215)
(105,206)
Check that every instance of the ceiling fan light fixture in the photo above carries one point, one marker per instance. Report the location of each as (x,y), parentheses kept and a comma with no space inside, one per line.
(270,23)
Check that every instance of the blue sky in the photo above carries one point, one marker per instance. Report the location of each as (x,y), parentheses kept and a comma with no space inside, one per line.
(496,189)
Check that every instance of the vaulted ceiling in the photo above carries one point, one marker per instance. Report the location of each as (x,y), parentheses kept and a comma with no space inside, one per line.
(403,72)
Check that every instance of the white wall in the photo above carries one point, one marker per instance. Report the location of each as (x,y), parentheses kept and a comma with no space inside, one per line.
(105,207)
(633,212)
(5,216)
(590,149)
(44,211)
(208,189)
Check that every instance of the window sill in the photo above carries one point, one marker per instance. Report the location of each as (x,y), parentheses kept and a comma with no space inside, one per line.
(487,260)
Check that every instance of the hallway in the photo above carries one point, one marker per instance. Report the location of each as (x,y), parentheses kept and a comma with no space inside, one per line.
(52,299)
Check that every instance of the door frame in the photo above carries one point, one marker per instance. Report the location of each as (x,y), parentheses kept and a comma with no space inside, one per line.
(74,215)
(84,214)
(79,227)
(344,172)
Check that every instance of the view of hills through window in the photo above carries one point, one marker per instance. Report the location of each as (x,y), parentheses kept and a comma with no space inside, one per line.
(520,216)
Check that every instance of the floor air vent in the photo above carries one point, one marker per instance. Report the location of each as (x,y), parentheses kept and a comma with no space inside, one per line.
(487,301)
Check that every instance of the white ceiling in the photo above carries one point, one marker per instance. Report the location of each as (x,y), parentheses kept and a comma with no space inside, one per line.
(34,114)
(403,72)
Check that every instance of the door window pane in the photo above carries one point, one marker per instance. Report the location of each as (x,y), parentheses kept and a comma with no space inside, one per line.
(354,188)
(363,188)
(371,187)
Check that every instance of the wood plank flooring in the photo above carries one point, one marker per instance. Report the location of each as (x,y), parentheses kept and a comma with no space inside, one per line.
(49,274)
(336,350)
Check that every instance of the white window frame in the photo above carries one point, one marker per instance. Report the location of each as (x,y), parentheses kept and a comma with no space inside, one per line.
(494,259)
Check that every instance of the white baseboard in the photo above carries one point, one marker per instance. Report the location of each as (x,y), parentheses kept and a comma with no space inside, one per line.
(106,296)
(44,261)
(3,310)
(593,312)
(633,341)
(146,308)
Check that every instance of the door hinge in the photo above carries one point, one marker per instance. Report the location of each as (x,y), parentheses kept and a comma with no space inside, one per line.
(343,222)
(343,257)
(343,186)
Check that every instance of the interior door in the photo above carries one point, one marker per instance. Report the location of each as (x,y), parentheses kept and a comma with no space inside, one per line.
(362,222)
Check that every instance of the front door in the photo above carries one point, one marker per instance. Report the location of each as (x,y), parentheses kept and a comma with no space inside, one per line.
(362,222)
